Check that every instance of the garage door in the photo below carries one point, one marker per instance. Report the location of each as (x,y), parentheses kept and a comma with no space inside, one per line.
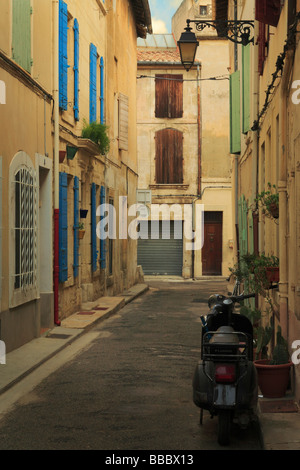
(162,252)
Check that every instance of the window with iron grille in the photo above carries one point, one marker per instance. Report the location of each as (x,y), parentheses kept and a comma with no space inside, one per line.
(23,213)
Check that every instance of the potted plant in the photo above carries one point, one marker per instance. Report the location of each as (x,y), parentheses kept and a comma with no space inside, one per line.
(81,231)
(269,201)
(274,374)
(264,270)
(97,133)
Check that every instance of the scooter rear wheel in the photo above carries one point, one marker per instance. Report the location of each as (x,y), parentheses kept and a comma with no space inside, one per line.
(224,425)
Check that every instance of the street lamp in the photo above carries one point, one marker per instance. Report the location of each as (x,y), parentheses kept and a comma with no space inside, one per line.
(238,32)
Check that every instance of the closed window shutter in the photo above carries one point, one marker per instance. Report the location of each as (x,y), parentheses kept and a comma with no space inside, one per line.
(123,121)
(76,226)
(102,242)
(267,11)
(93,83)
(21,33)
(246,87)
(235,125)
(63,55)
(168,96)
(94,253)
(76,70)
(169,156)
(63,227)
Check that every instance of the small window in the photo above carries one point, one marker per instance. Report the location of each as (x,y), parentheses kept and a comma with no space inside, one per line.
(203,10)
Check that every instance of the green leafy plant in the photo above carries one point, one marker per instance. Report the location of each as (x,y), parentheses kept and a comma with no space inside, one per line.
(280,353)
(97,133)
(269,201)
(81,226)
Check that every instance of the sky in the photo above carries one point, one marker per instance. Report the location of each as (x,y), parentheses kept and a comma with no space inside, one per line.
(162,12)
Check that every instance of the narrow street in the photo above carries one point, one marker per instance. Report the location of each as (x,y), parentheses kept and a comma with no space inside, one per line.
(131,388)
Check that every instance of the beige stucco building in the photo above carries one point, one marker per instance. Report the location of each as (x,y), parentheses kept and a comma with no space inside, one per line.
(203,176)
(64,64)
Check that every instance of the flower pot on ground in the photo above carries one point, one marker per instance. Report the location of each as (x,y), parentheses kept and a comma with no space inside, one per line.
(274,374)
(272,273)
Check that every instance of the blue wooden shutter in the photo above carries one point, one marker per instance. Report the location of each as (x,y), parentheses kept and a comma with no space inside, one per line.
(102,90)
(63,227)
(76,226)
(63,55)
(93,83)
(235,124)
(93,228)
(102,242)
(21,33)
(76,70)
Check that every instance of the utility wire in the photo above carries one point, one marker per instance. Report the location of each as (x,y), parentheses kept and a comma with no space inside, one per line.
(219,78)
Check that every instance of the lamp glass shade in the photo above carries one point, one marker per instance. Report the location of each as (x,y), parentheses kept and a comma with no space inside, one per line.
(188,46)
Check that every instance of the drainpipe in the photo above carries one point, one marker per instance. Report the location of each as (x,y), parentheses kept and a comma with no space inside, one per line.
(56,157)
(199,129)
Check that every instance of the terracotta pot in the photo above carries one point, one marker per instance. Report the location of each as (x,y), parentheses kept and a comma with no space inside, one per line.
(273,380)
(81,234)
(272,274)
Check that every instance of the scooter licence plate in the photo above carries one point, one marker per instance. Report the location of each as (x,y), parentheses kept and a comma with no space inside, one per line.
(224,395)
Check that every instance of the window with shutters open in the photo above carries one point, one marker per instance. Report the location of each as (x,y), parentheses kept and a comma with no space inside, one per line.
(63,55)
(169,156)
(76,70)
(268,11)
(235,124)
(63,227)
(168,96)
(21,33)
(246,88)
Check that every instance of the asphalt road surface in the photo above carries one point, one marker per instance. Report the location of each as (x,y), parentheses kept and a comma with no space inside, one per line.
(131,387)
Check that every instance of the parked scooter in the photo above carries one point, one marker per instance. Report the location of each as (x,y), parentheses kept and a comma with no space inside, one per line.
(225,380)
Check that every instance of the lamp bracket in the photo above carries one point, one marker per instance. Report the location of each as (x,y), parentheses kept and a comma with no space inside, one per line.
(236,31)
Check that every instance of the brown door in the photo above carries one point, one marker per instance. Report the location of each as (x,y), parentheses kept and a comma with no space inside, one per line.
(212,248)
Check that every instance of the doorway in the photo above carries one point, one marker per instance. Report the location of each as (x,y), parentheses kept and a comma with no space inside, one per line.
(213,240)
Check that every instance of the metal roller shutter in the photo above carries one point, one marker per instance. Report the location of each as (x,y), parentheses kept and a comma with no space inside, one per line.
(161,254)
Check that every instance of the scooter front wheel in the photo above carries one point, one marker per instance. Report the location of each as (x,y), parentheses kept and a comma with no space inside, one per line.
(224,425)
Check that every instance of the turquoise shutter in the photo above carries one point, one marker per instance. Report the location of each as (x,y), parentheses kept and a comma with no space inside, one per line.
(246,88)
(93,229)
(102,242)
(102,90)
(76,226)
(63,55)
(63,227)
(93,83)
(235,125)
(76,70)
(21,33)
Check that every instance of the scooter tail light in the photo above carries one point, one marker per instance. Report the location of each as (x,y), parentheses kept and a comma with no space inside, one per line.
(225,373)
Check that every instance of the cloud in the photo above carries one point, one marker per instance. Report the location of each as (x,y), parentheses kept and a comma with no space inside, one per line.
(159,26)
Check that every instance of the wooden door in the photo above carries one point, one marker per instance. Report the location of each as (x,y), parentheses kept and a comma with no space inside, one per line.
(212,248)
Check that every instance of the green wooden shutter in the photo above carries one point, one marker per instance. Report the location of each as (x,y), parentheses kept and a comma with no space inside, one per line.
(246,88)
(21,33)
(235,125)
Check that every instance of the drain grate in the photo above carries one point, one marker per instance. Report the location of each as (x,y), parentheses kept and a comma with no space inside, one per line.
(278,406)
